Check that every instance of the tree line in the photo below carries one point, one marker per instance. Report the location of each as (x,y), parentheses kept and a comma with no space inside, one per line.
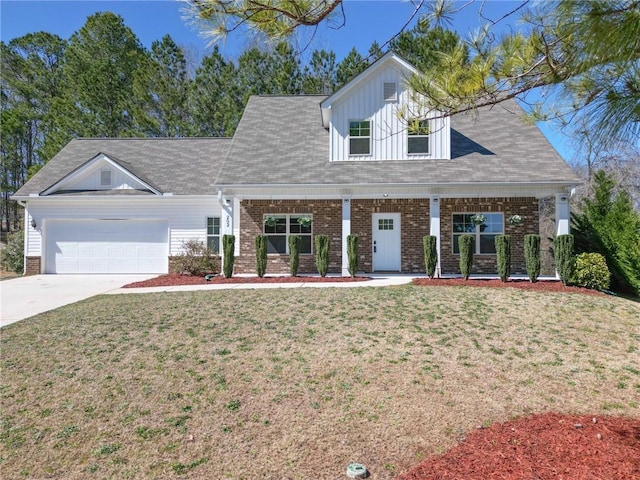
(101,82)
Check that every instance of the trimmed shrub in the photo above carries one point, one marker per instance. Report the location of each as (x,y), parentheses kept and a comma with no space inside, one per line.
(465,243)
(322,254)
(261,254)
(429,244)
(591,271)
(563,253)
(229,246)
(503,256)
(352,254)
(196,259)
(294,254)
(13,254)
(532,256)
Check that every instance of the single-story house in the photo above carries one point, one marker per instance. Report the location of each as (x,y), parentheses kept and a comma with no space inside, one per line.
(363,161)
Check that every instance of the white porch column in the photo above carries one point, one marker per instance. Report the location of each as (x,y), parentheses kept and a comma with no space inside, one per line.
(434,229)
(226,224)
(346,231)
(563,214)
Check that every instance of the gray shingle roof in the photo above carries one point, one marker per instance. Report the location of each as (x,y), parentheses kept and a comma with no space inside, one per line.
(280,140)
(182,166)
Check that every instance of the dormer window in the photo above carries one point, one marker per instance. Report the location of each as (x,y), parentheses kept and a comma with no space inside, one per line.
(360,137)
(418,137)
(390,91)
(105,178)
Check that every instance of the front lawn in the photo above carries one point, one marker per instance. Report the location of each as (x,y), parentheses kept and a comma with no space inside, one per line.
(279,384)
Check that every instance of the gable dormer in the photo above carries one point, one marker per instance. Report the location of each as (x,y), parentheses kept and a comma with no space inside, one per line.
(374,118)
(101,173)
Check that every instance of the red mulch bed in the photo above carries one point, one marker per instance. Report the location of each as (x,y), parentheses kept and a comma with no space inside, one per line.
(523,284)
(177,279)
(542,447)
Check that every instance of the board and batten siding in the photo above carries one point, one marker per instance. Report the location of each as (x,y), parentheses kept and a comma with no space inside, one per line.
(186,217)
(388,128)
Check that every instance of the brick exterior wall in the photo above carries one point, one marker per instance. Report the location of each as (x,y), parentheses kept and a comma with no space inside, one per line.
(525,207)
(327,220)
(414,224)
(32,266)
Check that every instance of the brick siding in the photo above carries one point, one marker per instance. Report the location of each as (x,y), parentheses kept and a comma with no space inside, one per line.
(525,207)
(327,220)
(32,266)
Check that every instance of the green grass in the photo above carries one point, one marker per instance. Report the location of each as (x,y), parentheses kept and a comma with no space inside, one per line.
(284,383)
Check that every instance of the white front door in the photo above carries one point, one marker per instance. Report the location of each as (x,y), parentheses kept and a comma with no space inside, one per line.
(386,242)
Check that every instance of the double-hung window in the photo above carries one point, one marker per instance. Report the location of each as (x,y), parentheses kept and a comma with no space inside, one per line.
(213,234)
(484,233)
(418,137)
(278,229)
(360,137)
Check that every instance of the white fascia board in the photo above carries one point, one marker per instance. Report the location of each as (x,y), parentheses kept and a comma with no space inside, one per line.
(89,165)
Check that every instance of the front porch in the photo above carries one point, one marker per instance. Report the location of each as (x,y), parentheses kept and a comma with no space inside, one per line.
(417,217)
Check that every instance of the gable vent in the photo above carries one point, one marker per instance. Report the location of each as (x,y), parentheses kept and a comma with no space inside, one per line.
(105,178)
(390,92)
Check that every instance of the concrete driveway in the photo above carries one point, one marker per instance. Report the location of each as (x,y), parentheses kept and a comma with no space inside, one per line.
(24,297)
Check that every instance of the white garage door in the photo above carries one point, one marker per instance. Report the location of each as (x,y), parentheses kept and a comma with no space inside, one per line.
(106,246)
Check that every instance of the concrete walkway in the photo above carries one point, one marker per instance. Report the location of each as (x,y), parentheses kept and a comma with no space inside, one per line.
(24,297)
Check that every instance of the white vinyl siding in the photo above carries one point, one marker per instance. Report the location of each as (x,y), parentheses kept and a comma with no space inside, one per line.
(185,217)
(388,129)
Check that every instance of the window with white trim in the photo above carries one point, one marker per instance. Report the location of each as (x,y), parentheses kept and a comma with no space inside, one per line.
(418,137)
(213,234)
(360,137)
(484,233)
(278,229)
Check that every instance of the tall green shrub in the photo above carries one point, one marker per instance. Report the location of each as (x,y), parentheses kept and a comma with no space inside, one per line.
(503,256)
(532,256)
(592,271)
(352,254)
(465,244)
(261,254)
(607,223)
(13,253)
(229,246)
(322,254)
(563,254)
(294,254)
(429,245)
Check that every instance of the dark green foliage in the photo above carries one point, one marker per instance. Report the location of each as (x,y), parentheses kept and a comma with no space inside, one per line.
(563,254)
(532,256)
(13,254)
(429,244)
(352,254)
(196,259)
(609,225)
(503,256)
(465,244)
(322,254)
(591,271)
(422,46)
(261,254)
(294,254)
(228,246)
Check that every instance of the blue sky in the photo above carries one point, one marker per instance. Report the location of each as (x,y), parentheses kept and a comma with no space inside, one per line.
(366,21)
